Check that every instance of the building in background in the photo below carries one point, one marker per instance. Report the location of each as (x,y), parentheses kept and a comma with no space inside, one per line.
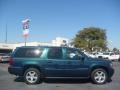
(59,41)
(9,47)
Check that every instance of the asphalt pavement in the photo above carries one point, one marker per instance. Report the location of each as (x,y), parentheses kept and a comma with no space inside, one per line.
(11,82)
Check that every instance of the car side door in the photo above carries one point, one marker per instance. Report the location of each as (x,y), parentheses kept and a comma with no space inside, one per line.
(75,63)
(55,65)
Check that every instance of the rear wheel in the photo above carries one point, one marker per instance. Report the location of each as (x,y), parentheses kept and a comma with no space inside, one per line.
(99,76)
(32,76)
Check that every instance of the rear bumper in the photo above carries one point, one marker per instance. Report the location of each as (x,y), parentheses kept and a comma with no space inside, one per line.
(15,70)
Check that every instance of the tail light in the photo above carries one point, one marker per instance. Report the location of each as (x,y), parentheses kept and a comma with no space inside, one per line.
(10,61)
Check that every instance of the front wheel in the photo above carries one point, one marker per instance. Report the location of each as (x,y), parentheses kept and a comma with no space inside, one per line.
(99,76)
(32,76)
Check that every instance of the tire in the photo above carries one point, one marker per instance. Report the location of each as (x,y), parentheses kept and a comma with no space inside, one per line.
(99,76)
(32,76)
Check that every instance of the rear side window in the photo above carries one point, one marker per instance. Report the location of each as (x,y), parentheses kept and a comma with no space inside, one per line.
(54,53)
(28,52)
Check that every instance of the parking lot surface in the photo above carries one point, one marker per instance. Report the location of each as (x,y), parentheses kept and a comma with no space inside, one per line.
(11,82)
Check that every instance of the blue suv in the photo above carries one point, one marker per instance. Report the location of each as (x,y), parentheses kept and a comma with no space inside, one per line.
(37,62)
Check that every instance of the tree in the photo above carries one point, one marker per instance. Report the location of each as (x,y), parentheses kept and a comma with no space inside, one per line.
(90,39)
(115,50)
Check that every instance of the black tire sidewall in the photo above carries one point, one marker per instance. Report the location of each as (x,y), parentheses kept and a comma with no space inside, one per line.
(35,70)
(93,74)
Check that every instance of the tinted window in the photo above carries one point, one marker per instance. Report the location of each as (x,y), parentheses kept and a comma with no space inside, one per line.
(55,53)
(73,54)
(28,52)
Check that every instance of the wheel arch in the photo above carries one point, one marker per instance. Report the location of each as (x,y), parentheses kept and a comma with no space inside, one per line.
(99,67)
(31,66)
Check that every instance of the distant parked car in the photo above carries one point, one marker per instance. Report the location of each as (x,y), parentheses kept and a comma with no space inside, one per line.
(90,55)
(108,55)
(37,62)
(4,57)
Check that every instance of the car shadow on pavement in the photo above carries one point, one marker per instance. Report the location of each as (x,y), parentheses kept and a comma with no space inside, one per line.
(67,81)
(61,81)
(19,79)
(58,81)
(109,80)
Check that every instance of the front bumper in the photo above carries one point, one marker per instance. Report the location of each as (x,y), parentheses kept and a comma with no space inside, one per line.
(111,72)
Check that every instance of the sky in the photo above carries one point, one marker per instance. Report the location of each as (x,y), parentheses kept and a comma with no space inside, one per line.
(59,18)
